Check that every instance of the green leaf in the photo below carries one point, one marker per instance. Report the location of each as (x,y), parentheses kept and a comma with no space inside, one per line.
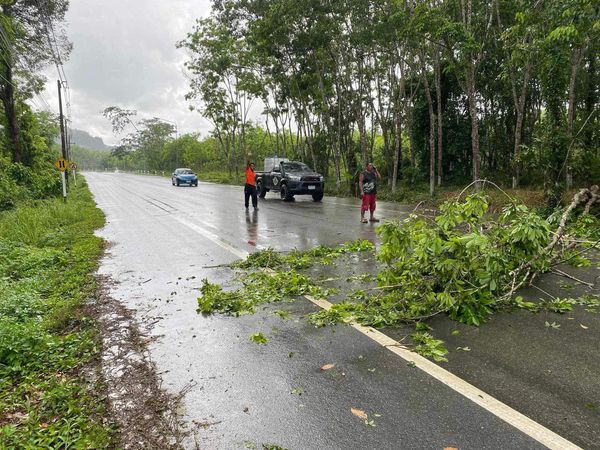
(258,338)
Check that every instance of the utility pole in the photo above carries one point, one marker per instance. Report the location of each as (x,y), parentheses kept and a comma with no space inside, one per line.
(69,154)
(62,124)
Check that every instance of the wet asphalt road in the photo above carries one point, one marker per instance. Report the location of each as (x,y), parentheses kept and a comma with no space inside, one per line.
(240,394)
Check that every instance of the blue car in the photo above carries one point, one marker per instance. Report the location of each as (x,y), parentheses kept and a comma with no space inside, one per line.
(184,176)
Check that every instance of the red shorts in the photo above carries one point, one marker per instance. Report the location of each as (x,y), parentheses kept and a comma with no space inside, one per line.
(368,202)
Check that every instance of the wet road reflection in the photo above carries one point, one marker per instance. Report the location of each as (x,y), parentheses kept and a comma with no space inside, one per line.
(252,226)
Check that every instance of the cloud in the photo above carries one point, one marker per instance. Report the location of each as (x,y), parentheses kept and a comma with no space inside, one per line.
(124,54)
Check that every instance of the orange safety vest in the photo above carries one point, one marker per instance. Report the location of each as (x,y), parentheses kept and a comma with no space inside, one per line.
(250,176)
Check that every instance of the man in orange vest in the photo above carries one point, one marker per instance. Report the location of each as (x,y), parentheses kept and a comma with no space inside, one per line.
(250,186)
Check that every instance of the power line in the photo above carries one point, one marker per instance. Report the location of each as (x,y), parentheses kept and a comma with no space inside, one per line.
(45,102)
(7,44)
(54,50)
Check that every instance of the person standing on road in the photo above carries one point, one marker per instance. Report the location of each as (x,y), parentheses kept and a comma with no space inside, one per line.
(250,186)
(368,190)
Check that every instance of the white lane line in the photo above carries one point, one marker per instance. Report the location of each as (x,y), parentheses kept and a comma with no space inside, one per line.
(531,428)
(213,237)
(521,422)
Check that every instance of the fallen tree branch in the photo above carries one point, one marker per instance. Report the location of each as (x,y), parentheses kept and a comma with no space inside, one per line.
(594,245)
(587,196)
(594,197)
(578,199)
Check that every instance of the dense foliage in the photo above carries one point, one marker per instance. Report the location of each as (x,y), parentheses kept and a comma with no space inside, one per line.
(36,178)
(444,91)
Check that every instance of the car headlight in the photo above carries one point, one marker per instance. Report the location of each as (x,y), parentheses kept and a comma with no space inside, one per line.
(294,177)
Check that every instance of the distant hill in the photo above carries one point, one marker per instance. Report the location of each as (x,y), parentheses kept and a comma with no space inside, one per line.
(85,139)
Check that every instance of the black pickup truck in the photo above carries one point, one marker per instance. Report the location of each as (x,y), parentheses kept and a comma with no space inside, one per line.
(289,178)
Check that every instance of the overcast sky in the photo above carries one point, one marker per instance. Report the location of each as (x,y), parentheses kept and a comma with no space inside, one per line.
(124,54)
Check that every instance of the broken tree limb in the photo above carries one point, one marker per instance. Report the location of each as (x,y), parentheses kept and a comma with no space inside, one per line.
(566,275)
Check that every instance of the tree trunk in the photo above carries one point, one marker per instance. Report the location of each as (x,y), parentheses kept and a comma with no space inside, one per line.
(471,94)
(438,98)
(12,129)
(397,149)
(8,100)
(309,136)
(327,114)
(411,140)
(431,134)
(362,131)
(590,99)
(520,110)
(399,108)
(576,57)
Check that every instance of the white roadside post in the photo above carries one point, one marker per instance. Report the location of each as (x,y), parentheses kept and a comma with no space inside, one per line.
(62,165)
(73,168)
(64,184)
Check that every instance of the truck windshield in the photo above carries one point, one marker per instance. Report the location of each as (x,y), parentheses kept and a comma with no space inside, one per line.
(296,167)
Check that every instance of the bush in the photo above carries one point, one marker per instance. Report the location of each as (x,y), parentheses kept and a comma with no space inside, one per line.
(19,182)
(10,191)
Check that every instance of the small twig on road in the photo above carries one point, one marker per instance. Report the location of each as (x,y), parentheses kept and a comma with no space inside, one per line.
(379,288)
(565,274)
(543,291)
(217,266)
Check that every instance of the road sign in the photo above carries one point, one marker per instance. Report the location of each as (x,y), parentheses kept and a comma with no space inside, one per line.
(61,164)
(73,166)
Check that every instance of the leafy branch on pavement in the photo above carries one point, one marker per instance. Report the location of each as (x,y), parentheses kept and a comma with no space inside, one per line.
(285,283)
(297,259)
(468,261)
(257,288)
(429,346)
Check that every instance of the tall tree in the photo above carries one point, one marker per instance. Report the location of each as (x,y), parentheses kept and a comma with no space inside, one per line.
(466,35)
(30,39)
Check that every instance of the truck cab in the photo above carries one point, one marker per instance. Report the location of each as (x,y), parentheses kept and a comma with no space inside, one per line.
(289,178)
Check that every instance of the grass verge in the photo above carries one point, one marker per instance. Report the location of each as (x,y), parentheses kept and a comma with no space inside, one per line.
(48,254)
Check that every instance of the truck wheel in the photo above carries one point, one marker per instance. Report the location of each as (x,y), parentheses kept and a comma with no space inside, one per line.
(284,192)
(261,189)
(317,197)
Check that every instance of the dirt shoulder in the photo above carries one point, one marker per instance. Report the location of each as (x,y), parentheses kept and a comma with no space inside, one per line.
(145,414)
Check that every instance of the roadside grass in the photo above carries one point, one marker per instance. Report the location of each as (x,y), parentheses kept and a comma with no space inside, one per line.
(222,177)
(48,253)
